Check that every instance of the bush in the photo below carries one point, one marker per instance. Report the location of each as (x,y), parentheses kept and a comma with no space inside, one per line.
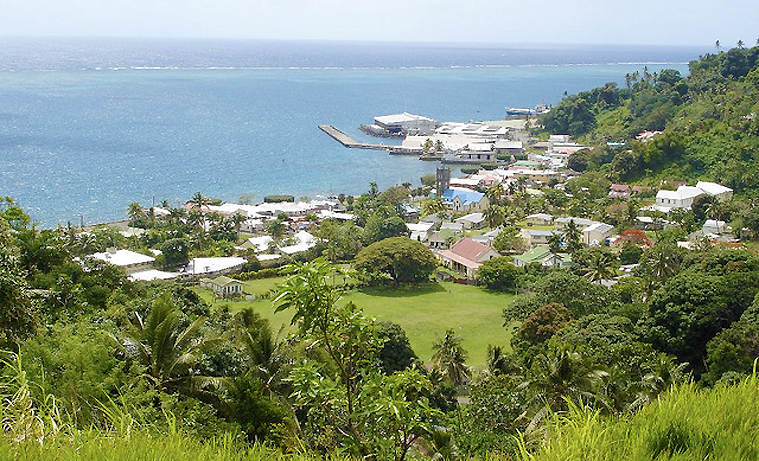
(279,198)
(498,274)
(630,254)
(489,166)
(470,169)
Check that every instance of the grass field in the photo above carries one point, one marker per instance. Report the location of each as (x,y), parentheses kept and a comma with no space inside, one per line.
(425,312)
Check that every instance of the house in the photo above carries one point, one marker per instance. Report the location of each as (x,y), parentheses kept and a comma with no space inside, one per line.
(251,225)
(150,275)
(620,191)
(488,237)
(408,211)
(683,197)
(449,231)
(543,256)
(713,189)
(581,223)
(466,256)
(260,244)
(465,200)
(539,219)
(596,234)
(128,260)
(420,231)
(301,241)
(537,237)
(338,216)
(214,266)
(713,226)
(223,287)
(472,221)
(505,146)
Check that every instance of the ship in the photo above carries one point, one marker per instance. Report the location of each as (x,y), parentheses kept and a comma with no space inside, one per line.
(540,109)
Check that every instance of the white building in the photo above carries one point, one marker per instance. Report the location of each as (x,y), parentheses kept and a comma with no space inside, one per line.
(151,275)
(420,231)
(715,190)
(130,261)
(713,226)
(472,221)
(683,197)
(302,241)
(211,266)
(596,234)
(406,123)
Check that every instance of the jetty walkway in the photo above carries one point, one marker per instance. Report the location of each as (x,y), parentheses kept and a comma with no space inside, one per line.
(347,141)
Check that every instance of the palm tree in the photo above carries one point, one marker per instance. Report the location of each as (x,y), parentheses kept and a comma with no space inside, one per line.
(270,358)
(717,45)
(494,215)
(439,147)
(600,266)
(198,201)
(449,358)
(495,194)
(558,376)
(168,352)
(433,206)
(276,228)
(740,44)
(135,213)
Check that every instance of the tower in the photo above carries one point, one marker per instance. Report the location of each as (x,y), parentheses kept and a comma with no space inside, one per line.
(443,179)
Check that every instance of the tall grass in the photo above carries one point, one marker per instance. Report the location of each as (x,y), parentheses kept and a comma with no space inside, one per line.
(687,423)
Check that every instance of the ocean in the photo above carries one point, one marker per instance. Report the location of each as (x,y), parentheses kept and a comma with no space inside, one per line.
(88,126)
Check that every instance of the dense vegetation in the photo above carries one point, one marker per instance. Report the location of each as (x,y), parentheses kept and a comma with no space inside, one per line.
(709,120)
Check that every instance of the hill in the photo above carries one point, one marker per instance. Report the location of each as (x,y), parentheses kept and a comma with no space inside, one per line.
(709,122)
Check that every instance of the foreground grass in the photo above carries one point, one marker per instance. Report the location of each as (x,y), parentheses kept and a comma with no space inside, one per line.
(425,312)
(685,424)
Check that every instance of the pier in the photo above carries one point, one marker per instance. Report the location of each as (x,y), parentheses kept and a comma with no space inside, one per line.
(347,141)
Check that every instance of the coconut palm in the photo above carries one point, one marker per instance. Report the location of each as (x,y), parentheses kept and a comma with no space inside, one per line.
(198,201)
(600,266)
(135,213)
(449,358)
(433,206)
(495,194)
(740,44)
(494,215)
(270,359)
(168,351)
(717,45)
(558,376)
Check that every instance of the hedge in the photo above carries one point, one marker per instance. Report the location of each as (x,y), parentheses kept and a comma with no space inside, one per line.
(279,198)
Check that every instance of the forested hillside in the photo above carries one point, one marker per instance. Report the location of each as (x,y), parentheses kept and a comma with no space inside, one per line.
(709,119)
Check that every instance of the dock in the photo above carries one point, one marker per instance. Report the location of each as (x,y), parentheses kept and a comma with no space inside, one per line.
(347,141)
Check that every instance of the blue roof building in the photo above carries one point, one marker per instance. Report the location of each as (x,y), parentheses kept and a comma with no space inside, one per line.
(464,199)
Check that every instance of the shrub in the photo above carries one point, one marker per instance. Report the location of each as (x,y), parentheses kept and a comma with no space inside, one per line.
(498,274)
(279,198)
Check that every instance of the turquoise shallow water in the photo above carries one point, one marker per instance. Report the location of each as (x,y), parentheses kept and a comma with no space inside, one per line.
(91,141)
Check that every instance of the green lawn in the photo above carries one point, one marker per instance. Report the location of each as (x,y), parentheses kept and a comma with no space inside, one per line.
(425,312)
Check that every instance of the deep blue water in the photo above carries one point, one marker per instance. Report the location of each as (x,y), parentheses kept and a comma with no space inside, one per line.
(84,129)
